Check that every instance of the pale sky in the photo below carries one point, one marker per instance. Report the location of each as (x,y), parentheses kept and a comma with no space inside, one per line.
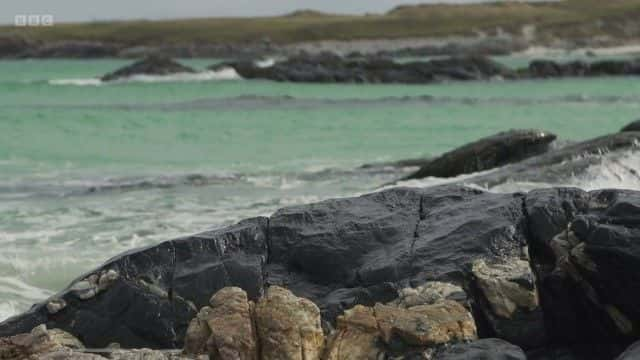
(87,10)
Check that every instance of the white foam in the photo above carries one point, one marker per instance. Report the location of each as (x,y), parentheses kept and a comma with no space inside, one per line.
(226,73)
(266,63)
(76,82)
(538,51)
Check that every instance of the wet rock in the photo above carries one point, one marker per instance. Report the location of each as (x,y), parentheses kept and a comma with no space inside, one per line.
(560,165)
(487,153)
(551,69)
(634,126)
(330,68)
(485,349)
(157,290)
(151,65)
(288,326)
(56,305)
(509,300)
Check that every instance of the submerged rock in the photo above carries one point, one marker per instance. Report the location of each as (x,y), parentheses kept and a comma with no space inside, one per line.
(634,126)
(151,65)
(487,153)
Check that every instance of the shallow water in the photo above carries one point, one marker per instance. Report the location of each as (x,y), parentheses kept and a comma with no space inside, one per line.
(90,170)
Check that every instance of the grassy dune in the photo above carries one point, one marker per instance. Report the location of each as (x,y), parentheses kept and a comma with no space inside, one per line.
(568,19)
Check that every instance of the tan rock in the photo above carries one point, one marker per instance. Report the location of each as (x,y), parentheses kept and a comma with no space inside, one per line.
(35,344)
(426,325)
(288,326)
(233,335)
(501,286)
(429,293)
(356,337)
(198,333)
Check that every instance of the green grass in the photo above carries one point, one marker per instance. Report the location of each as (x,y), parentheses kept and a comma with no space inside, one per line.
(566,19)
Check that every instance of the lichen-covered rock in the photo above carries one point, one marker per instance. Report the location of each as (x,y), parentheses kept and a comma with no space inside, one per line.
(356,337)
(426,325)
(288,326)
(510,301)
(198,333)
(429,293)
(233,334)
(38,342)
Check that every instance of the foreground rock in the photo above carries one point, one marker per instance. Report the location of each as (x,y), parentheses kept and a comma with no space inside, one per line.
(288,326)
(487,153)
(151,65)
(548,270)
(329,68)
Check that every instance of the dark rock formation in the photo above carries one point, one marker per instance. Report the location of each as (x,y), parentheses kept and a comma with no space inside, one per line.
(485,349)
(151,65)
(634,126)
(329,68)
(552,69)
(487,153)
(582,248)
(559,165)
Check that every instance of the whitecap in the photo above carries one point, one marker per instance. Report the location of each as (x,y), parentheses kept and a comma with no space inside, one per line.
(76,82)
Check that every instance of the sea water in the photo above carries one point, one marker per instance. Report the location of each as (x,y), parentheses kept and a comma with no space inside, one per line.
(88,170)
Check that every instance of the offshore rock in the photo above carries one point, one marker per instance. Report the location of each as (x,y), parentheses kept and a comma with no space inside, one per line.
(288,327)
(151,65)
(487,153)
(634,126)
(331,68)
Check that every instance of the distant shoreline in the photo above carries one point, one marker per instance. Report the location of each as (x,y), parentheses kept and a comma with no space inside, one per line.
(479,29)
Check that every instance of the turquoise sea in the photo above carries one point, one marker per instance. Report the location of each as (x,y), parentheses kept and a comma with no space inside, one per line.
(88,170)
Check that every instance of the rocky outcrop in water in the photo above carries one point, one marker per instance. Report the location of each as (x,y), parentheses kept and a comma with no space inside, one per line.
(151,65)
(487,153)
(552,69)
(634,126)
(330,68)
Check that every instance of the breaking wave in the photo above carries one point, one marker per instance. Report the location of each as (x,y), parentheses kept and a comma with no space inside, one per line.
(222,74)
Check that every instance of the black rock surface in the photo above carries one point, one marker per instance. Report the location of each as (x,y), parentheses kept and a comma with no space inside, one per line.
(487,153)
(151,65)
(485,349)
(634,126)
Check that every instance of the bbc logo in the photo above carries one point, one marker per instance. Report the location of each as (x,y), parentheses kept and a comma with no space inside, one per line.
(33,20)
